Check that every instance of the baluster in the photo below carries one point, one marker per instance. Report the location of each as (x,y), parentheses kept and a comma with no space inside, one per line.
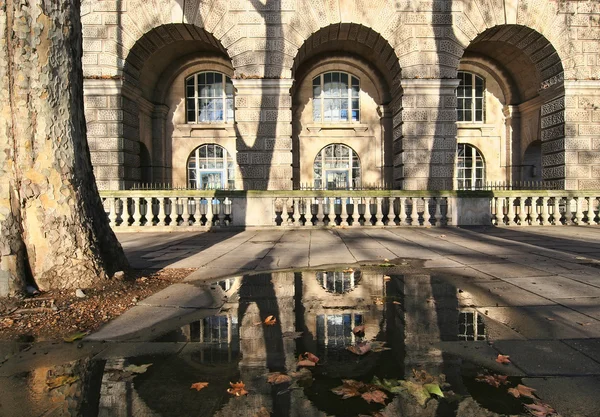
(402,218)
(430,219)
(295,214)
(556,216)
(355,215)
(302,206)
(221,212)
(499,211)
(344,212)
(112,217)
(161,212)
(198,217)
(286,212)
(521,216)
(137,216)
(545,213)
(329,207)
(174,210)
(438,211)
(320,215)
(568,212)
(379,211)
(579,210)
(511,211)
(595,216)
(191,210)
(209,212)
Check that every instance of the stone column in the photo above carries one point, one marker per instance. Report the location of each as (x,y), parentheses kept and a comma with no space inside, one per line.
(553,129)
(428,134)
(113,136)
(263,129)
(512,151)
(387,151)
(160,156)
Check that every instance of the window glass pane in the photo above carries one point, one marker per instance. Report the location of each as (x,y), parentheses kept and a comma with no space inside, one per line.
(317,110)
(355,115)
(210,77)
(344,79)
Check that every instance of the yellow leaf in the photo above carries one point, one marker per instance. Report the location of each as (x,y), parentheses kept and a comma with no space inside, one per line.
(75,336)
(59,381)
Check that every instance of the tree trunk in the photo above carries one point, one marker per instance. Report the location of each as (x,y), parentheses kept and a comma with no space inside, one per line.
(53,228)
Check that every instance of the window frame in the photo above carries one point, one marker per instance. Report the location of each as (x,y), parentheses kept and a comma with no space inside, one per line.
(352,96)
(226,98)
(476,182)
(354,167)
(227,171)
(477,104)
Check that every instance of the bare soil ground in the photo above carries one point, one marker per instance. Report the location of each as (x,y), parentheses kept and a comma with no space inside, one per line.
(56,314)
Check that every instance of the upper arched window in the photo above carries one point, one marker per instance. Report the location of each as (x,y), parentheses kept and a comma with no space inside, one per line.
(210,167)
(337,167)
(336,97)
(209,98)
(470,98)
(470,169)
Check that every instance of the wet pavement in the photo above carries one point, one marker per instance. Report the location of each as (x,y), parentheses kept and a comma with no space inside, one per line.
(445,301)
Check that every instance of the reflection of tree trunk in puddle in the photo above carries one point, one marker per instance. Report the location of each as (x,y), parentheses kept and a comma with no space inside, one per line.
(264,348)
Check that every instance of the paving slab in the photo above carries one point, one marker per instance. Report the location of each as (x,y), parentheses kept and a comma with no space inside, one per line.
(555,287)
(589,306)
(508,270)
(547,358)
(589,347)
(498,293)
(480,353)
(182,296)
(119,350)
(585,398)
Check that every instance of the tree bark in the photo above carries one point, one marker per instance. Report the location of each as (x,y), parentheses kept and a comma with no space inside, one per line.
(53,228)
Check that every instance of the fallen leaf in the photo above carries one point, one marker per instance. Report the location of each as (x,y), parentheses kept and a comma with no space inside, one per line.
(396,302)
(514,392)
(539,409)
(349,389)
(199,385)
(585,323)
(493,380)
(387,278)
(305,362)
(526,391)
(278,378)
(503,359)
(59,381)
(75,336)
(360,348)
(358,329)
(420,394)
(434,389)
(549,319)
(348,271)
(263,412)
(377,346)
(374,396)
(385,260)
(135,369)
(378,301)
(308,356)
(237,389)
(270,321)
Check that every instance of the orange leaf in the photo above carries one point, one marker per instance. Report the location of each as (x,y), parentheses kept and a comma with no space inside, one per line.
(358,329)
(270,321)
(514,392)
(305,362)
(278,378)
(308,356)
(503,359)
(199,385)
(375,396)
(237,389)
(525,391)
(539,409)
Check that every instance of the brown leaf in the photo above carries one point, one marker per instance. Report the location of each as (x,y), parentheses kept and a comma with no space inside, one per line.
(375,396)
(526,391)
(377,346)
(348,271)
(349,389)
(237,389)
(308,356)
(263,412)
(360,348)
(584,323)
(199,386)
(358,329)
(396,302)
(278,378)
(493,380)
(514,392)
(305,362)
(270,321)
(540,409)
(503,359)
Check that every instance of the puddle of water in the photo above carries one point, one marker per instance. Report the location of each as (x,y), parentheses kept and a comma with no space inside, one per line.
(411,317)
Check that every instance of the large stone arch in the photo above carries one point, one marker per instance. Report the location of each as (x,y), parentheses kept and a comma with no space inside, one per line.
(534,109)
(366,54)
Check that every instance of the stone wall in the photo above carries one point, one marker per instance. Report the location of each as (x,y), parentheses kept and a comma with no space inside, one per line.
(128,44)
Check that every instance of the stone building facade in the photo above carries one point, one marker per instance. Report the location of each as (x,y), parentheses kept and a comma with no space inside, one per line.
(283,94)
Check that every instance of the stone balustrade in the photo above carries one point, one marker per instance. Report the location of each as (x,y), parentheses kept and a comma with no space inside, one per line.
(139,210)
(545,208)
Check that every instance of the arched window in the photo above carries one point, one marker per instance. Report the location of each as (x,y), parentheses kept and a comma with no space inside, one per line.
(470,169)
(336,97)
(470,98)
(209,98)
(337,167)
(210,167)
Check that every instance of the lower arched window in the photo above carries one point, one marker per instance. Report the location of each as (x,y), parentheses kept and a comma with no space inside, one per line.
(337,167)
(210,167)
(470,169)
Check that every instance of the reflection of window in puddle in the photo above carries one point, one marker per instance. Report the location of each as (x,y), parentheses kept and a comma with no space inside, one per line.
(471,326)
(338,282)
(335,330)
(227,284)
(220,336)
